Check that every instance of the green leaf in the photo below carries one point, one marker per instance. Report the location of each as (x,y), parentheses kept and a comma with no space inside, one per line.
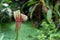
(32,10)
(31,3)
(47,2)
(56,8)
(24,5)
(28,3)
(49,15)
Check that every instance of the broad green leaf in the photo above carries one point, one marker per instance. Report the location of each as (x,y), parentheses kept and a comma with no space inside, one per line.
(56,6)
(56,9)
(49,15)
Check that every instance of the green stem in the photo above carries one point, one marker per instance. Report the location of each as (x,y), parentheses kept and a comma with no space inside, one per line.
(16,34)
(18,25)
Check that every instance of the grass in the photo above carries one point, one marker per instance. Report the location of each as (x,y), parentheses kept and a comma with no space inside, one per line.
(26,32)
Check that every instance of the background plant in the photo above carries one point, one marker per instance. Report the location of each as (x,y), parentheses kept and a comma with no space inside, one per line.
(45,13)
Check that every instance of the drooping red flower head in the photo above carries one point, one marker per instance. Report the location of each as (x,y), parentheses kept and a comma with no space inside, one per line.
(19,19)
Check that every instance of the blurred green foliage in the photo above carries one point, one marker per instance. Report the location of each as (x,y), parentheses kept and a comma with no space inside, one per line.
(50,9)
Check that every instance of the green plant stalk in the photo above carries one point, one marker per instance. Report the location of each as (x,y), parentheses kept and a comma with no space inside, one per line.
(16,34)
(18,24)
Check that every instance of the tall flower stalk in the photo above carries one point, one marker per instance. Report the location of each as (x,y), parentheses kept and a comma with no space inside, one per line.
(18,20)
